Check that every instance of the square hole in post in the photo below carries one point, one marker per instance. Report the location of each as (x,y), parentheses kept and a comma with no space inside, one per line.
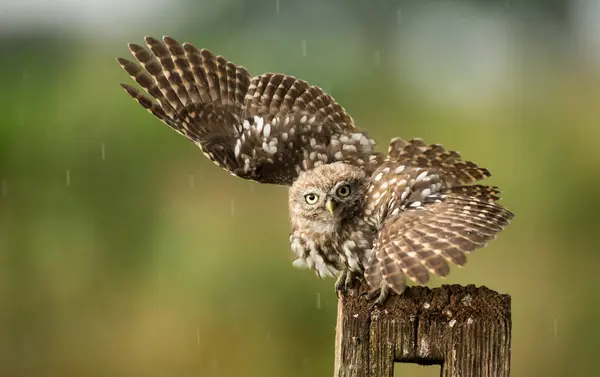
(416,370)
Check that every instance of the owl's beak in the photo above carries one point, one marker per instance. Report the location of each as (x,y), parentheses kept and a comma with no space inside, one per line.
(330,206)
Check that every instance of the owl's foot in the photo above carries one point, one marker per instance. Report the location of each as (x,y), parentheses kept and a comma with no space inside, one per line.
(344,281)
(340,283)
(382,295)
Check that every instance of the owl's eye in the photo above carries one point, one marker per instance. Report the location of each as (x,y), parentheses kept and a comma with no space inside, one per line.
(311,198)
(343,191)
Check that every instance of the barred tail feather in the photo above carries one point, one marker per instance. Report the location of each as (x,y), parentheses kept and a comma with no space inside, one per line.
(373,272)
(391,272)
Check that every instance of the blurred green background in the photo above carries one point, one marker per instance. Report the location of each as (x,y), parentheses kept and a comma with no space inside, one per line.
(125,252)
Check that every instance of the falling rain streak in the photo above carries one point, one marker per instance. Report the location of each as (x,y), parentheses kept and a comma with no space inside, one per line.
(318,300)
(4,188)
(68,177)
(192,181)
(399,15)
(377,58)
(198,335)
(304,47)
(555,327)
(103,152)
(232,207)
(277,6)
(214,365)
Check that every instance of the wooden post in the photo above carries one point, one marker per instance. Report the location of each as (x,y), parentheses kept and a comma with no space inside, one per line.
(466,330)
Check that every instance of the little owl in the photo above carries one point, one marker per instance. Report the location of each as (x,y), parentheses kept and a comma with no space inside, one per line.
(354,212)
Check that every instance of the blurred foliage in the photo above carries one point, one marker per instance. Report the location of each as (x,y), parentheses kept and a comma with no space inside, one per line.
(124,252)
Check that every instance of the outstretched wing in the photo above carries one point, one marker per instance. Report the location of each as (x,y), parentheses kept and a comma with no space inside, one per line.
(426,217)
(266,128)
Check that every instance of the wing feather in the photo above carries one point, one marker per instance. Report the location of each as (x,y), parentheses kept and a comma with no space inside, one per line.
(266,128)
(425,240)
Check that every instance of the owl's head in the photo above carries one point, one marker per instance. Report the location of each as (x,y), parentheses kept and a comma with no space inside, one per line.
(326,196)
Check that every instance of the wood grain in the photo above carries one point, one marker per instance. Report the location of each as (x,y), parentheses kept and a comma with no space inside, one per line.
(465,329)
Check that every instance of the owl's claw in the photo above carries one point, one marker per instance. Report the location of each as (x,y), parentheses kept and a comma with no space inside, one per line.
(350,277)
(370,295)
(340,283)
(382,295)
(344,282)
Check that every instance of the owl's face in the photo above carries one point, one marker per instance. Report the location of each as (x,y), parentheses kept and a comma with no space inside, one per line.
(322,198)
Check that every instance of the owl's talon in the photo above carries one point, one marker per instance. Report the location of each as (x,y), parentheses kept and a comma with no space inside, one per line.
(349,281)
(344,282)
(340,283)
(382,295)
(370,295)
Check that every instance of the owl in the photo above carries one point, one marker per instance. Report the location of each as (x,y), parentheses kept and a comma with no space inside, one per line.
(355,213)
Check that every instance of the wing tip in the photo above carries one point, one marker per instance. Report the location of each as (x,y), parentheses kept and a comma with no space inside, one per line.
(188,47)
(151,40)
(131,90)
(169,40)
(123,62)
(135,48)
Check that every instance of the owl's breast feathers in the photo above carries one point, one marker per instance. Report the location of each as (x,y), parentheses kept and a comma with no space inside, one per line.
(345,248)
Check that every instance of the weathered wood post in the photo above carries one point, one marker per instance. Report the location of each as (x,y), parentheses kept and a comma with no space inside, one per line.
(466,330)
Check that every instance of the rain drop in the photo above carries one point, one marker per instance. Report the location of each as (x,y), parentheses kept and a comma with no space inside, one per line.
(304,47)
(318,301)
(555,327)
(214,365)
(277,6)
(198,335)
(192,181)
(68,177)
(4,188)
(232,207)
(399,15)
(103,152)
(377,58)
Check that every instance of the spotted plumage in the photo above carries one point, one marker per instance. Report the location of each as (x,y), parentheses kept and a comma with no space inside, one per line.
(414,214)
(267,128)
(354,212)
(427,214)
